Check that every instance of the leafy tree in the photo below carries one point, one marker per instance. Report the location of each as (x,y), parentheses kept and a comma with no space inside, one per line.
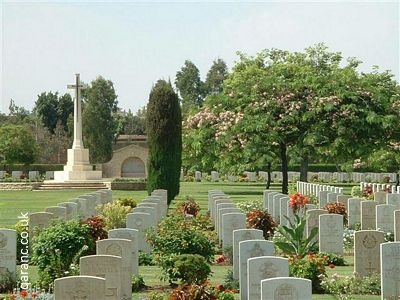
(46,107)
(216,76)
(65,109)
(164,130)
(50,108)
(98,122)
(190,86)
(128,123)
(17,145)
(17,114)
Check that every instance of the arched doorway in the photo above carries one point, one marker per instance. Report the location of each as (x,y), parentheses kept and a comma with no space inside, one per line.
(133,167)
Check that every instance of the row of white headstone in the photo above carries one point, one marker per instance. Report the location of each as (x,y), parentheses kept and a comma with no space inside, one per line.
(106,275)
(261,274)
(371,254)
(117,257)
(376,187)
(32,175)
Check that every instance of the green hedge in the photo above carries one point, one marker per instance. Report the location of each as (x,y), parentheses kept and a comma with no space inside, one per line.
(42,168)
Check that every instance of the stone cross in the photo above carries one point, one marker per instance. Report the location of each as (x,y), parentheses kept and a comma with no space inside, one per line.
(78,86)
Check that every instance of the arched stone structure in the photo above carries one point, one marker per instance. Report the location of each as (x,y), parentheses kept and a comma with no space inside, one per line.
(129,161)
(133,167)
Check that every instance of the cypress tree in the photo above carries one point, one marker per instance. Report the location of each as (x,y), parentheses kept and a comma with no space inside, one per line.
(164,136)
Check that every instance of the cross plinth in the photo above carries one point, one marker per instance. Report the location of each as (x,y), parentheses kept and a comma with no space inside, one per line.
(78,86)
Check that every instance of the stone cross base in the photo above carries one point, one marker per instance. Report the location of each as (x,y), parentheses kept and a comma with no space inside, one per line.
(78,168)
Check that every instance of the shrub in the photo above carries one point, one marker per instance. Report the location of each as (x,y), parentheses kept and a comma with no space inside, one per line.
(298,202)
(96,228)
(230,282)
(127,202)
(348,238)
(145,259)
(337,208)
(332,258)
(310,267)
(189,206)
(114,214)
(176,235)
(228,253)
(343,287)
(137,283)
(8,281)
(191,268)
(193,292)
(261,219)
(57,246)
(356,191)
(249,205)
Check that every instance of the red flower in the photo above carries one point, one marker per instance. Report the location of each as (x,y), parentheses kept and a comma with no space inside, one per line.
(331,265)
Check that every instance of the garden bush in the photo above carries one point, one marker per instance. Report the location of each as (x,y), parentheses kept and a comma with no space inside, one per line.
(344,287)
(311,267)
(138,283)
(332,258)
(146,259)
(57,247)
(191,268)
(96,228)
(188,207)
(8,281)
(262,220)
(176,235)
(337,208)
(249,205)
(114,214)
(127,202)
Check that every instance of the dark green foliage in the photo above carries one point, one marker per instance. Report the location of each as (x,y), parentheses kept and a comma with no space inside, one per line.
(98,123)
(332,258)
(17,145)
(164,130)
(51,109)
(129,201)
(55,248)
(216,76)
(42,168)
(8,281)
(191,268)
(146,259)
(138,283)
(190,86)
(230,282)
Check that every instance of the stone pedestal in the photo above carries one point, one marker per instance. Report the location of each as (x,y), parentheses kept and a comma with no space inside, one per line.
(77,168)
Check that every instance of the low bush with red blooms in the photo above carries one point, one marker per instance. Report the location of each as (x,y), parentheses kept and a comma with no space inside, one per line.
(189,207)
(387,190)
(202,291)
(337,208)
(262,220)
(368,192)
(222,259)
(96,228)
(311,266)
(298,201)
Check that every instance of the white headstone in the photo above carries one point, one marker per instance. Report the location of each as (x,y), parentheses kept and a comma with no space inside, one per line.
(231,222)
(264,267)
(367,251)
(331,233)
(286,288)
(122,248)
(240,235)
(385,217)
(108,267)
(354,212)
(249,249)
(8,250)
(368,215)
(390,270)
(141,222)
(132,235)
(80,287)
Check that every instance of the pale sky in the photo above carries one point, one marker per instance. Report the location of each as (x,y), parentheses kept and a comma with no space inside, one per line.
(136,43)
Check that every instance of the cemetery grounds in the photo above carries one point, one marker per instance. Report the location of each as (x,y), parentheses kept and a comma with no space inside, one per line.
(12,203)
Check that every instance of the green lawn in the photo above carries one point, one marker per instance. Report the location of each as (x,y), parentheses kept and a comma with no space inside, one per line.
(12,203)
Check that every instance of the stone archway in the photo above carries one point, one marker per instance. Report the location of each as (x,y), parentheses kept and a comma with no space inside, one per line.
(133,167)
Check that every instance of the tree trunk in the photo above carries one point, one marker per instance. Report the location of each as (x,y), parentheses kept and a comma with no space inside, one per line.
(304,168)
(284,162)
(268,176)
(398,178)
